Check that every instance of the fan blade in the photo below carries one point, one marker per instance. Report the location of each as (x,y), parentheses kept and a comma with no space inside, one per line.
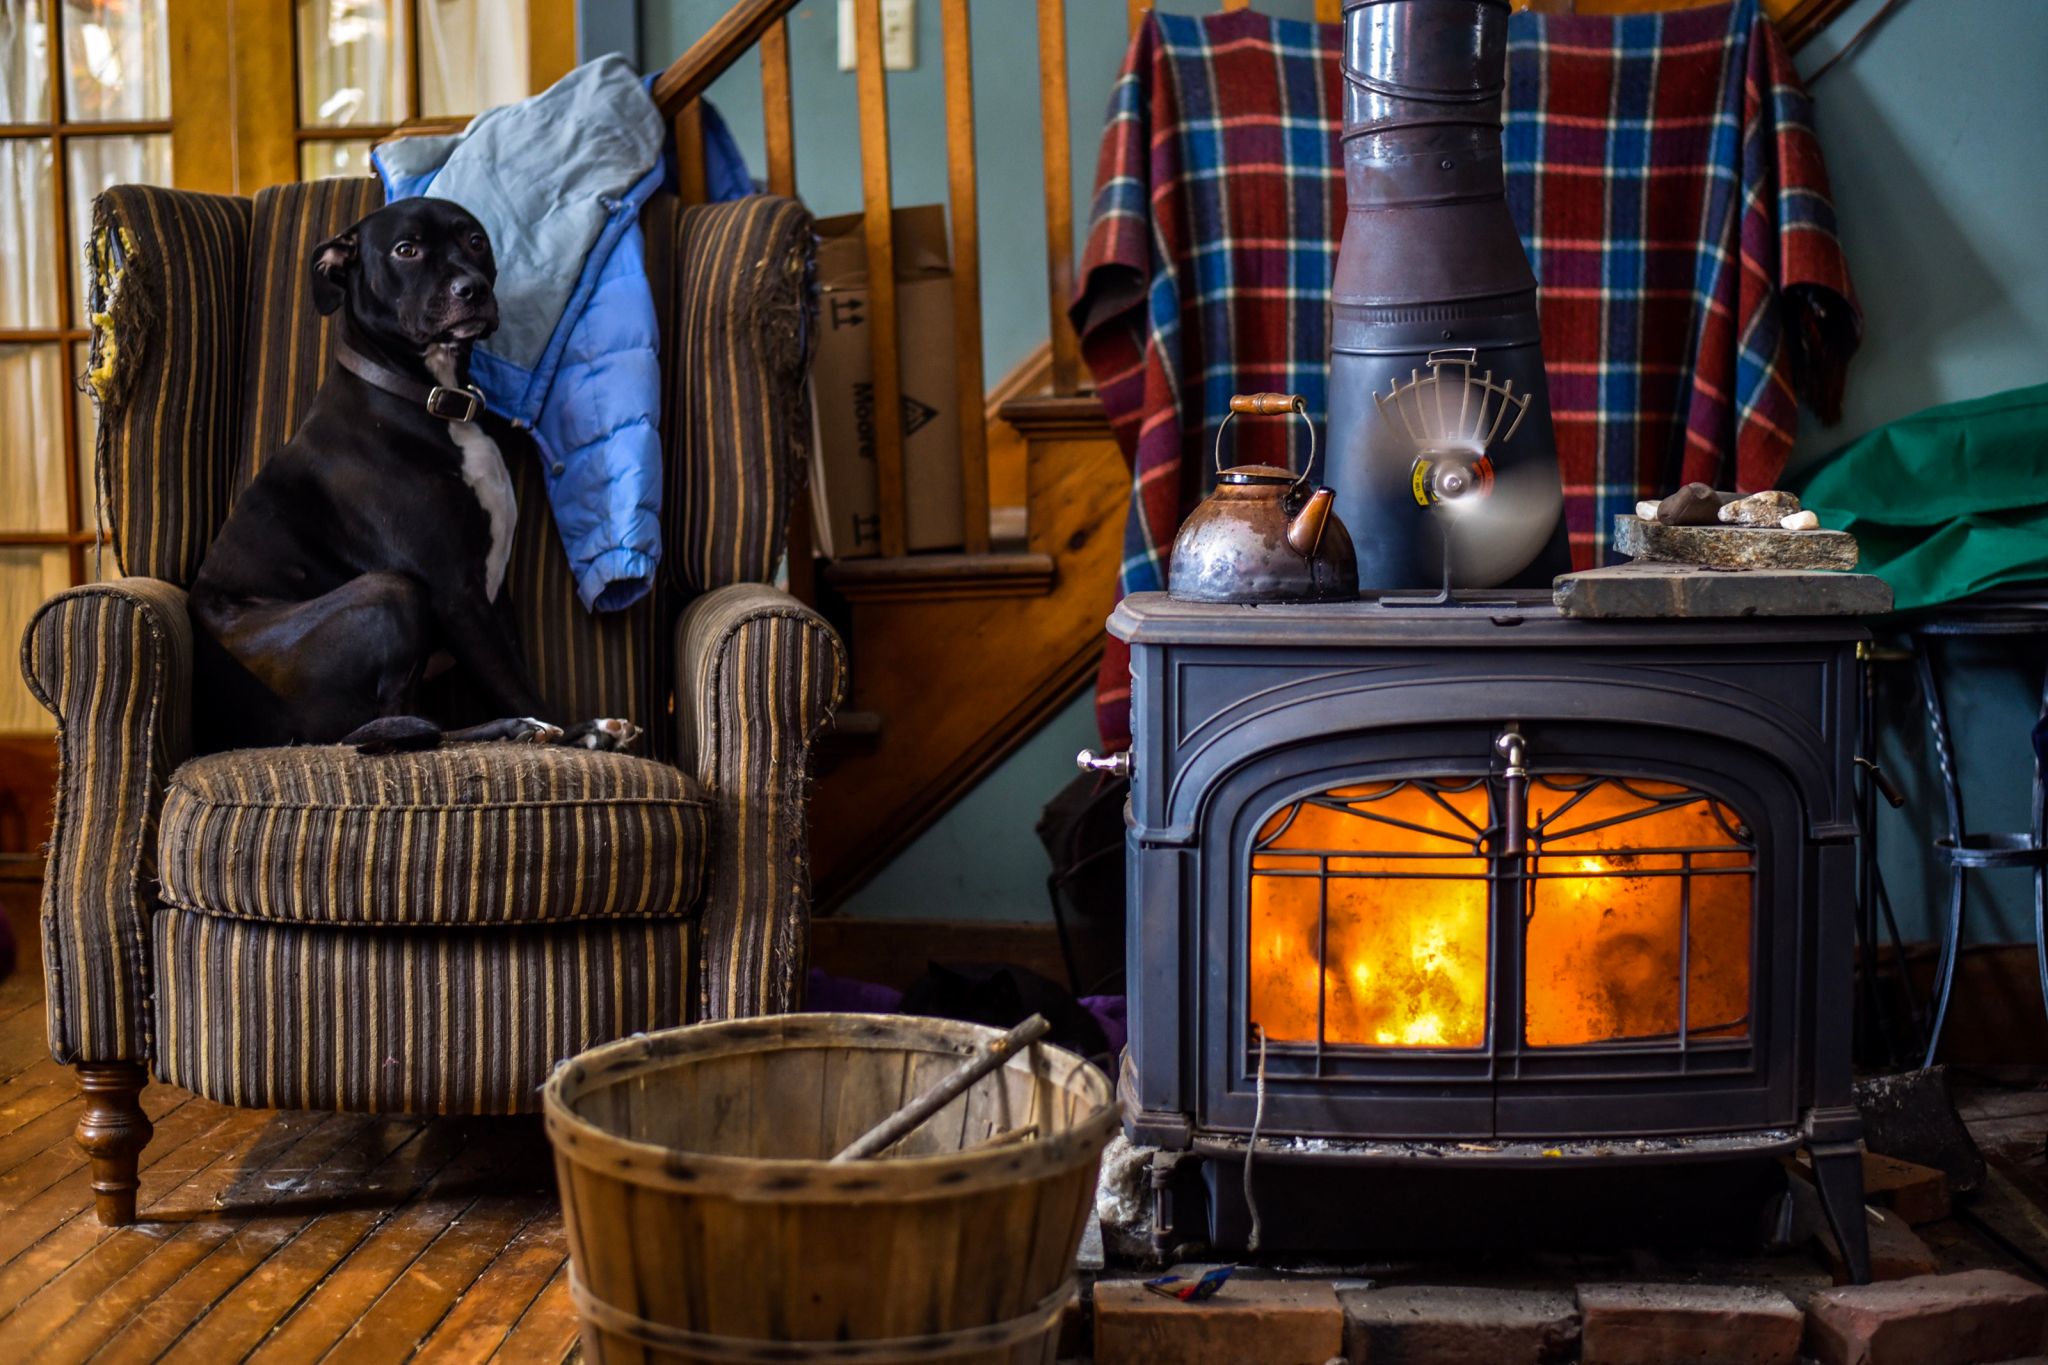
(1495,537)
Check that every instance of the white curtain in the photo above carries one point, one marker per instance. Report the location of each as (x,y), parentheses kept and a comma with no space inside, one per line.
(473,55)
(117,60)
(352,67)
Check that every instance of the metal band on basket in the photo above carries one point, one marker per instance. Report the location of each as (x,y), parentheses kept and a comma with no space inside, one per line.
(663,1336)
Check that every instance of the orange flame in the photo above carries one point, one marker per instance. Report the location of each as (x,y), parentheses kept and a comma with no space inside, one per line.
(1405,961)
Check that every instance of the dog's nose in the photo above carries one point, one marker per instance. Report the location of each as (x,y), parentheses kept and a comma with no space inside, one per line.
(465,287)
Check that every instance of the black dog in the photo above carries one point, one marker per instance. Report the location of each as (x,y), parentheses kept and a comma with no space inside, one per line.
(377,538)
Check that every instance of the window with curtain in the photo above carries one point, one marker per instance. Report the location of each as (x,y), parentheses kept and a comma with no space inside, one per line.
(84,104)
(367,66)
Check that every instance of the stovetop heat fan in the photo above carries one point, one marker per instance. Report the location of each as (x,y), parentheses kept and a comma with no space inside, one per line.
(1454,417)
(1443,458)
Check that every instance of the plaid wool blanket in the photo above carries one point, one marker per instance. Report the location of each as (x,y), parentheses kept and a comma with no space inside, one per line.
(1664,174)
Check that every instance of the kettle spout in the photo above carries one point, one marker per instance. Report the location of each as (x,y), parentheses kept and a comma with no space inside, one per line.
(1305,532)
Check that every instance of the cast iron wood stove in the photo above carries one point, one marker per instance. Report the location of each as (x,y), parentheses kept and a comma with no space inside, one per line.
(1479,887)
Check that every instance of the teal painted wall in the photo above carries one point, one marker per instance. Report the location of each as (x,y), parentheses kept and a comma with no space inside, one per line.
(1936,135)
(1937,141)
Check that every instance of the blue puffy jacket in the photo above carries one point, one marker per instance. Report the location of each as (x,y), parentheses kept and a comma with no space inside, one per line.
(558,181)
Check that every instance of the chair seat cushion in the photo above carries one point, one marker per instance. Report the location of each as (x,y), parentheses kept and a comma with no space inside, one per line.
(472,834)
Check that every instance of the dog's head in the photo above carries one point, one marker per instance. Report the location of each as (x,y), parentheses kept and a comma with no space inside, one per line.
(417,273)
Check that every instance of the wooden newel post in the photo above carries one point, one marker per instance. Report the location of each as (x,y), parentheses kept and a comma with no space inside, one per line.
(112,1132)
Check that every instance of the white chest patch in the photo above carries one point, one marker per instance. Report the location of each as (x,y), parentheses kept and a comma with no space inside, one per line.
(483,469)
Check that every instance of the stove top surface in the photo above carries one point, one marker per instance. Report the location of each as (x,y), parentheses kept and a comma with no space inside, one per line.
(1474,618)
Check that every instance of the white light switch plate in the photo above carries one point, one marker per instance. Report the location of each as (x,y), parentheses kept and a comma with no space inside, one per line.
(899,35)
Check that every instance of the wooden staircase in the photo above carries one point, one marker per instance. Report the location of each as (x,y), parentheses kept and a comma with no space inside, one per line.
(960,658)
(957,658)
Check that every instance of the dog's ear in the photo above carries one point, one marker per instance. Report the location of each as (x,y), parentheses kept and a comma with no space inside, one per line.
(332,260)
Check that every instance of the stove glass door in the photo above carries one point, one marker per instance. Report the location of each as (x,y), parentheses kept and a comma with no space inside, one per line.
(1375,911)
(1637,914)
(1370,921)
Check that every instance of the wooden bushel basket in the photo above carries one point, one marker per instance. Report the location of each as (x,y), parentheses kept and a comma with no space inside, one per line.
(706,1224)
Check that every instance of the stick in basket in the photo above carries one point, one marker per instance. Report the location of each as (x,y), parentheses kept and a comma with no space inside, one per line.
(898,1125)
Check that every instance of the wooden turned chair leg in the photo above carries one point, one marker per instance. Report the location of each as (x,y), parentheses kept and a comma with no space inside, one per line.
(113,1132)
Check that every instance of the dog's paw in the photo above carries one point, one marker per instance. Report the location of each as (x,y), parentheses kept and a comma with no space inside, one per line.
(609,735)
(527,730)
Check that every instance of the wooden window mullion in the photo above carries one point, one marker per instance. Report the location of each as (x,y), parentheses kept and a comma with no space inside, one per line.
(60,206)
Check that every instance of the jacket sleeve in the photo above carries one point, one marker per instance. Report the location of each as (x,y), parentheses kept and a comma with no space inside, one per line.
(758,676)
(113,663)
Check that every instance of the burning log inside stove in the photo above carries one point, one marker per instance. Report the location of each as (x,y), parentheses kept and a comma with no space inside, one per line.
(1369,918)
(1370,924)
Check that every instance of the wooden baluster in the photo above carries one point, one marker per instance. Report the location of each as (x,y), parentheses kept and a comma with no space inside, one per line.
(959,45)
(690,176)
(1329,11)
(779,123)
(873,91)
(779,128)
(1059,192)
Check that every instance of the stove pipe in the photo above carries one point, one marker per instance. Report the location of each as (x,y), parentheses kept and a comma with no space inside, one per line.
(1435,354)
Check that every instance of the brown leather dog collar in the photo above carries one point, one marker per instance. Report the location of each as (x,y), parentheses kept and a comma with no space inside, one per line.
(465,404)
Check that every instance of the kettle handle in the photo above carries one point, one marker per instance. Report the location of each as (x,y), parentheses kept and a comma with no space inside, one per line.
(1269,405)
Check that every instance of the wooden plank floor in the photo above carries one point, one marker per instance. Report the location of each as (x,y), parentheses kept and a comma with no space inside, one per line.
(268,1235)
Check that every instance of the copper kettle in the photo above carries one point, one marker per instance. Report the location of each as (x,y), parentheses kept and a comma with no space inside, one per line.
(1262,536)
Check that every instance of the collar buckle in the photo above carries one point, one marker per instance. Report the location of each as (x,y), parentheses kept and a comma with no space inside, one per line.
(455,405)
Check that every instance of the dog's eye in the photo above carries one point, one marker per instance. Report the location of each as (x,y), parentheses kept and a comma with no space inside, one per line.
(477,242)
(406,250)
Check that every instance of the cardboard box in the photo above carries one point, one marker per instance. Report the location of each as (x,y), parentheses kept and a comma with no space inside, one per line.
(843,499)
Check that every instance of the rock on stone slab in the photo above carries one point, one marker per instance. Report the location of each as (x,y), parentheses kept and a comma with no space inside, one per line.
(1453,1325)
(1800,521)
(1759,509)
(1285,1322)
(1687,1324)
(1979,1315)
(1734,547)
(1693,505)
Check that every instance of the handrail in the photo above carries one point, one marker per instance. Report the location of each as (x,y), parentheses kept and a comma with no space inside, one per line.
(724,43)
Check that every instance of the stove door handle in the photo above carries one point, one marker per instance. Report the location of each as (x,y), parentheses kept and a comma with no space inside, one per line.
(1117,764)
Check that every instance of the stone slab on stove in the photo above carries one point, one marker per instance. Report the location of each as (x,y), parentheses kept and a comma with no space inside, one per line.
(1284,1322)
(1734,547)
(1456,1325)
(1687,1324)
(1979,1315)
(1642,590)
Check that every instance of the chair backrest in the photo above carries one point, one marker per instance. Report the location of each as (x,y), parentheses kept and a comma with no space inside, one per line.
(730,290)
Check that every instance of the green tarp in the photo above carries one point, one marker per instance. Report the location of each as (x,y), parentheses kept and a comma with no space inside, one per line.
(1948,502)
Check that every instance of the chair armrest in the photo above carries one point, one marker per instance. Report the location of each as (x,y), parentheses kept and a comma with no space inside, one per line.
(758,676)
(113,663)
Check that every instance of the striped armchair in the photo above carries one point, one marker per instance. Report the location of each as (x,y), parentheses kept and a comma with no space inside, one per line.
(427,933)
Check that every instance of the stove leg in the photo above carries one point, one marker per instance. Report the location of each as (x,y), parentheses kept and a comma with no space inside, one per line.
(1163,1165)
(1838,1171)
